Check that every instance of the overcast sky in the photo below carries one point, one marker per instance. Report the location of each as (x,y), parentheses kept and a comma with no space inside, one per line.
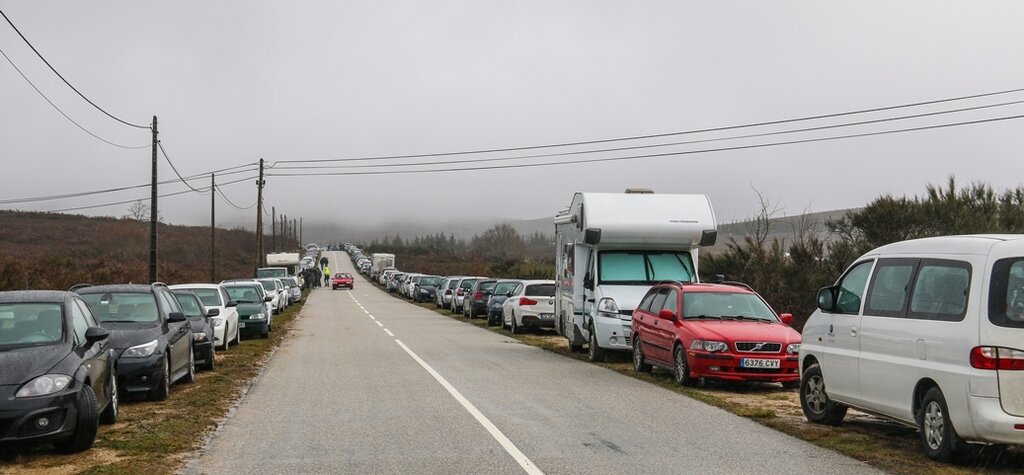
(234,81)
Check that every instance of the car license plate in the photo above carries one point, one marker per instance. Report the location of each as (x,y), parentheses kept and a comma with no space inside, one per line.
(547,316)
(241,324)
(759,363)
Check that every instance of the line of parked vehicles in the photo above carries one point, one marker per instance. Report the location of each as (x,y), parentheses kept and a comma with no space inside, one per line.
(67,358)
(928,332)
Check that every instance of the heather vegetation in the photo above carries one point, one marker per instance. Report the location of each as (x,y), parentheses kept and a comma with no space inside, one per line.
(56,251)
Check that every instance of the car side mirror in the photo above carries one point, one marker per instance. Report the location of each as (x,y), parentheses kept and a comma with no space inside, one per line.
(268,298)
(508,294)
(827,299)
(213,312)
(787,318)
(667,314)
(94,334)
(231,303)
(175,317)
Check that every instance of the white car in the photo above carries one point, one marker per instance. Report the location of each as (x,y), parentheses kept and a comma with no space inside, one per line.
(286,293)
(225,325)
(294,288)
(531,304)
(273,290)
(409,285)
(929,333)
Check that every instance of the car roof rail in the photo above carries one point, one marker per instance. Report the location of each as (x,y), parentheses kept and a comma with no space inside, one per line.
(79,286)
(737,284)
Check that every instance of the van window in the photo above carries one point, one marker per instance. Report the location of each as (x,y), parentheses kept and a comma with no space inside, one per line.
(1006,293)
(940,291)
(890,285)
(851,288)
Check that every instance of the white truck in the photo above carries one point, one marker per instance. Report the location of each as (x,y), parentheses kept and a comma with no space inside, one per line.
(380,261)
(610,248)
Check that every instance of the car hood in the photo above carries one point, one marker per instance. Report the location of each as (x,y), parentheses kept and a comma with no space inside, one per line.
(497,299)
(739,330)
(21,364)
(249,308)
(429,288)
(126,335)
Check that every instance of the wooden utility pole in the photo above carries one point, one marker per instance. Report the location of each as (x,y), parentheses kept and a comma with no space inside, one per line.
(153,213)
(213,228)
(259,219)
(284,230)
(300,231)
(273,229)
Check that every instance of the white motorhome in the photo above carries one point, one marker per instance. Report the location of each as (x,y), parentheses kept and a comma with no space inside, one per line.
(380,261)
(281,264)
(610,248)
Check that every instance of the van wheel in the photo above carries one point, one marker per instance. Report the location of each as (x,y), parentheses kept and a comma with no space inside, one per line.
(814,401)
(594,353)
(939,438)
(681,367)
(639,365)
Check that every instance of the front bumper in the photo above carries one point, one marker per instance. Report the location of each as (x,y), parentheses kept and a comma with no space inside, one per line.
(726,367)
(253,327)
(992,424)
(137,375)
(203,352)
(20,419)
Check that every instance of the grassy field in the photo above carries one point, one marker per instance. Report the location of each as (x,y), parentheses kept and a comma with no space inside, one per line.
(156,436)
(886,445)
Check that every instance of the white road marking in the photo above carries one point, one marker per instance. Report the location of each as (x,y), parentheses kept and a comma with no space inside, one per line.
(378,323)
(507,444)
(371,316)
(388,332)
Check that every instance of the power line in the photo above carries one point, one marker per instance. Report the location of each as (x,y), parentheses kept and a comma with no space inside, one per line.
(32,199)
(667,154)
(232,203)
(667,144)
(165,195)
(47,99)
(160,145)
(667,134)
(9,22)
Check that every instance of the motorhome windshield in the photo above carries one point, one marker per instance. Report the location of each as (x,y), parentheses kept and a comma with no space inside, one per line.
(271,272)
(644,267)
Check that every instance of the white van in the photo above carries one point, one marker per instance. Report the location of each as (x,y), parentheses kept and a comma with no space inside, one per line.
(928,332)
(610,248)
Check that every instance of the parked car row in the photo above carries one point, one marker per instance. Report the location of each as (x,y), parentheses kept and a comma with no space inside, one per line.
(67,359)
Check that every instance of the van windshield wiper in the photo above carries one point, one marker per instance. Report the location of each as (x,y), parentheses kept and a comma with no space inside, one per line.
(702,317)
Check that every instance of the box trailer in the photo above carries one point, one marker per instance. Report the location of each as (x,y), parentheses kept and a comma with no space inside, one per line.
(610,248)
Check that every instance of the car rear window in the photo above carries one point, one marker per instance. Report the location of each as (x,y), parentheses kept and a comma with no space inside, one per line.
(505,287)
(541,290)
(122,307)
(1006,293)
(452,283)
(487,286)
(467,284)
(30,324)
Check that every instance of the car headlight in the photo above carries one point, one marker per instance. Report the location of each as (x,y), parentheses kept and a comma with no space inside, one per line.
(218,322)
(709,346)
(43,385)
(793,348)
(199,337)
(257,316)
(495,305)
(141,351)
(424,291)
(608,305)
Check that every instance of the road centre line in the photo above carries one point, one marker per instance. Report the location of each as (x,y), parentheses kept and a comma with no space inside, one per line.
(388,332)
(378,323)
(507,444)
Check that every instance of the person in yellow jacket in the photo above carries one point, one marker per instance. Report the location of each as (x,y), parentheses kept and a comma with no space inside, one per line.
(327,276)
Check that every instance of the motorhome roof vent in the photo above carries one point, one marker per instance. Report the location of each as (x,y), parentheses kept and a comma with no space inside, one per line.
(639,191)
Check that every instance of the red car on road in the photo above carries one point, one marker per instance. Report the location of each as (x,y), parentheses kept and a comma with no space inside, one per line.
(714,331)
(342,279)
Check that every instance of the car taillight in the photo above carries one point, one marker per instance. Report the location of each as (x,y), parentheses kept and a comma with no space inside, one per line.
(478,295)
(461,292)
(526,301)
(990,357)
(448,292)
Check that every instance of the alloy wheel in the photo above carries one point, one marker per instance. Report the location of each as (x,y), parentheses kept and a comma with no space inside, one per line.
(815,395)
(934,425)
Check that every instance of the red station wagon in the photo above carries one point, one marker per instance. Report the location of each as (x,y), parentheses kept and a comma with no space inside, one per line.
(714,331)
(342,280)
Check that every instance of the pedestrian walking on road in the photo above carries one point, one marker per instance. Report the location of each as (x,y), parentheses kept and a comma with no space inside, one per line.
(316,278)
(327,276)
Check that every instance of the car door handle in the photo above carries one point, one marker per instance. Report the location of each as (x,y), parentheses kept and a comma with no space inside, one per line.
(853,331)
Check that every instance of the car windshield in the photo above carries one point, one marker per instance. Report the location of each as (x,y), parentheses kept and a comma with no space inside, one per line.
(210,297)
(290,281)
(244,293)
(122,307)
(644,267)
(189,304)
(342,276)
(272,272)
(540,290)
(430,281)
(268,285)
(30,324)
(726,305)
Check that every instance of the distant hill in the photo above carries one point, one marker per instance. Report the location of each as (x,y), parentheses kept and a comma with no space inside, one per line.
(783,228)
(55,251)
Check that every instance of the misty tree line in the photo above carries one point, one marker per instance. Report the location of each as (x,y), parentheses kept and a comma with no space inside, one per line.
(788,272)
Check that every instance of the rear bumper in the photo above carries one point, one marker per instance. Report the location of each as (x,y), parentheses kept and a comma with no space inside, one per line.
(992,423)
(726,367)
(531,320)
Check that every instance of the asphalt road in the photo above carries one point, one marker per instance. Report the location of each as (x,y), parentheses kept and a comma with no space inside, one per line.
(371,384)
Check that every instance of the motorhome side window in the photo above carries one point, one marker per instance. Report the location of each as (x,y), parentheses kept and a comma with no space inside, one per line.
(890,285)
(940,290)
(1006,293)
(851,289)
(644,267)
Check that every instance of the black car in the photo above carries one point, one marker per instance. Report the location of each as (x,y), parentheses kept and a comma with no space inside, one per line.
(426,288)
(149,332)
(202,327)
(475,303)
(57,371)
(502,290)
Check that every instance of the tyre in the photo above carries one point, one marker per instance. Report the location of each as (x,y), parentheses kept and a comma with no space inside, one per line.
(109,414)
(515,328)
(681,367)
(594,352)
(190,375)
(791,385)
(163,388)
(469,311)
(210,362)
(639,365)
(86,425)
(814,401)
(265,334)
(938,437)
(238,335)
